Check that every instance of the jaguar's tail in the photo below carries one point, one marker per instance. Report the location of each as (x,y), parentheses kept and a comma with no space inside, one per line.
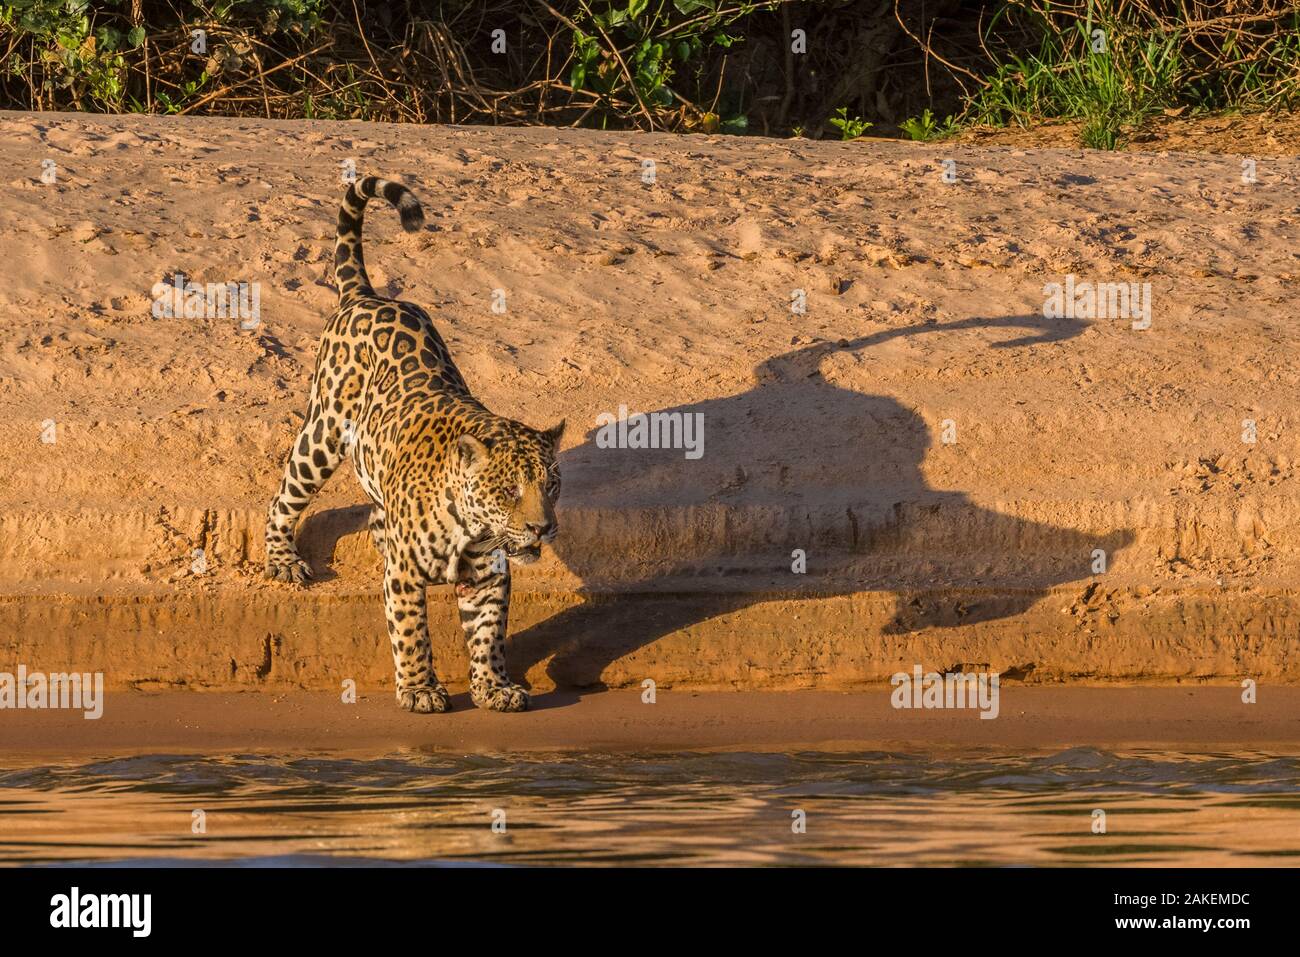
(349,264)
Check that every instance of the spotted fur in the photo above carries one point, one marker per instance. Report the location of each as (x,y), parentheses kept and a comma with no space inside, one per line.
(458,493)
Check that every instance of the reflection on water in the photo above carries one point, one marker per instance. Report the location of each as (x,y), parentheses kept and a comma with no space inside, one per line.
(1215,809)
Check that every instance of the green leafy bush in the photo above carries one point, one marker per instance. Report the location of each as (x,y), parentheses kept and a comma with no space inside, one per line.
(651,50)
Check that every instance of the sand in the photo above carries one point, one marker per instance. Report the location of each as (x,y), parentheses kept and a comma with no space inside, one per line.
(824,430)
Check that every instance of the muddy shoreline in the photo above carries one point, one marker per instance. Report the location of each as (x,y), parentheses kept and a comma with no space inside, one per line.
(1204,718)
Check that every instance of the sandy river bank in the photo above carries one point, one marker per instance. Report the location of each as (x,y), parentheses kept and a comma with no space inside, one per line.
(1115,504)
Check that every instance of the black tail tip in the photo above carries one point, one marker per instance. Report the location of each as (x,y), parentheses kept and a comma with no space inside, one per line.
(411,214)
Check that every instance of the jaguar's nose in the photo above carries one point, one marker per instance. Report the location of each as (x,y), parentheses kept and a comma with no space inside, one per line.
(543,531)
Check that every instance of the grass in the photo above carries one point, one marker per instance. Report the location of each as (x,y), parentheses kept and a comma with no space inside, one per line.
(1111,83)
(1113,72)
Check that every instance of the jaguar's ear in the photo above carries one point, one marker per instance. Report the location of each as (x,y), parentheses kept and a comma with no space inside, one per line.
(473,451)
(553,435)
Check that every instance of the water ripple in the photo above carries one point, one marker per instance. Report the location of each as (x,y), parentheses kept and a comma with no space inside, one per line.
(746,808)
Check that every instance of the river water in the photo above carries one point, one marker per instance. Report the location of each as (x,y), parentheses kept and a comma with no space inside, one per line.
(877,808)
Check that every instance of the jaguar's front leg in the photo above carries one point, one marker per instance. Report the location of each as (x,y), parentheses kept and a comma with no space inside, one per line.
(483,596)
(417,687)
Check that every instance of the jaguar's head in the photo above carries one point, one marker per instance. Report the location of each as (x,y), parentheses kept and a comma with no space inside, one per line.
(508,490)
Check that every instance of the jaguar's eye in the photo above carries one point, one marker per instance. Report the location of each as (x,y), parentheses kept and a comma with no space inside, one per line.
(518,492)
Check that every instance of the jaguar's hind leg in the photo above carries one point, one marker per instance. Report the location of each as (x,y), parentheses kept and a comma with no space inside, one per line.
(315,454)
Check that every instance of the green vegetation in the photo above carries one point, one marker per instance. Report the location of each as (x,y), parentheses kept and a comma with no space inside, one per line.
(81,55)
(924,128)
(819,67)
(1113,65)
(850,127)
(642,49)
